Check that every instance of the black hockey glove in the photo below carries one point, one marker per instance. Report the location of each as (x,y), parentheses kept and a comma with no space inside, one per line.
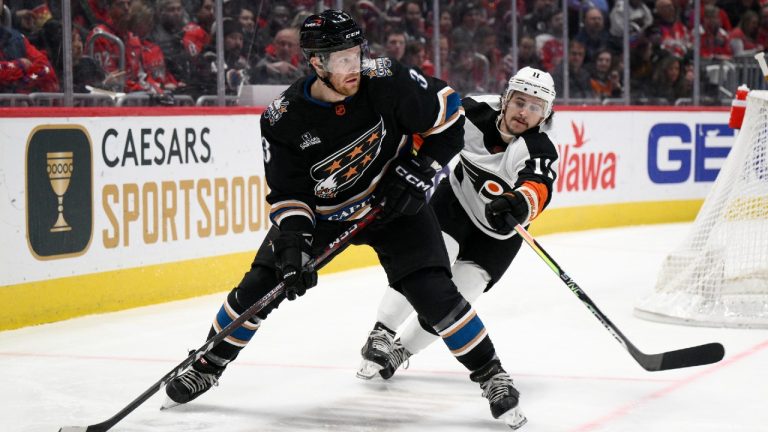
(292,251)
(513,203)
(404,186)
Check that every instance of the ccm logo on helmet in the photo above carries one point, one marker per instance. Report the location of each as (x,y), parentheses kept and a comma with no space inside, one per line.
(410,178)
(353,34)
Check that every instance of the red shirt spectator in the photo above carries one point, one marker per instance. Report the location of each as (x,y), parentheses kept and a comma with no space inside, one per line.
(23,68)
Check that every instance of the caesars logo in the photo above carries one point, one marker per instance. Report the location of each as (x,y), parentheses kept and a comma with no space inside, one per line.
(59,188)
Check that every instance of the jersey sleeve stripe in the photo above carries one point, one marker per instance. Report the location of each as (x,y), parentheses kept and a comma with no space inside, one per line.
(283,209)
(450,104)
(451,120)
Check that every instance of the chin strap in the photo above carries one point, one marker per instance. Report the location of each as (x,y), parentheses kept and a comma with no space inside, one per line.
(327,82)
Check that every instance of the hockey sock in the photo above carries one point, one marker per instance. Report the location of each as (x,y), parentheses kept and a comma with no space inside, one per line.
(232,344)
(465,335)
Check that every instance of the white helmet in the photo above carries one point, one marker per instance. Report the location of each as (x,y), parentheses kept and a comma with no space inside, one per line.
(534,82)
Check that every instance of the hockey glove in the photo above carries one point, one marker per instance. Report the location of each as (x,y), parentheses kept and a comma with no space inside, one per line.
(513,203)
(292,251)
(404,186)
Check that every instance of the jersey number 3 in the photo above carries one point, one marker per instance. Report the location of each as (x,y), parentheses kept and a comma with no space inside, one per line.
(418,78)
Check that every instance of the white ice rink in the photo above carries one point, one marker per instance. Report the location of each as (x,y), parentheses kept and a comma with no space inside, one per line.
(298,374)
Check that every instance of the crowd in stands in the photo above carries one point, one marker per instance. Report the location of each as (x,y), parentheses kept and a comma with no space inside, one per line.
(169,46)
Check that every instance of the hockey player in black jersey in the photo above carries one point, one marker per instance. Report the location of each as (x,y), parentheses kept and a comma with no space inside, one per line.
(508,165)
(335,144)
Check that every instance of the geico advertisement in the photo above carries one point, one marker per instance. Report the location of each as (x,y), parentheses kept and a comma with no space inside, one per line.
(625,156)
(86,195)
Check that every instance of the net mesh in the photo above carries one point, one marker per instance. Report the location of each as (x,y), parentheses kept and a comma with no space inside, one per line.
(718,276)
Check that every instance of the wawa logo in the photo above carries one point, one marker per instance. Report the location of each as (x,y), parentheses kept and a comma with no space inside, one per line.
(582,170)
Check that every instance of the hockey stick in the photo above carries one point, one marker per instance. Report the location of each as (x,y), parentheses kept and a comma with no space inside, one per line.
(316,263)
(686,357)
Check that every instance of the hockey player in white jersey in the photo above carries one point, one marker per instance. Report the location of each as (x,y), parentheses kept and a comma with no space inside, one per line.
(508,166)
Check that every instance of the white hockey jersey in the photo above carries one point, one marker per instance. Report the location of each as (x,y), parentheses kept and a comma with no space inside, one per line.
(487,167)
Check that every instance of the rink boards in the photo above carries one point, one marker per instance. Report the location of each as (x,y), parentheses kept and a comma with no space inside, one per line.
(109,209)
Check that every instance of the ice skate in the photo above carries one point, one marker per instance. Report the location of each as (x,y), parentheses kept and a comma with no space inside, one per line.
(501,394)
(192,383)
(398,356)
(376,351)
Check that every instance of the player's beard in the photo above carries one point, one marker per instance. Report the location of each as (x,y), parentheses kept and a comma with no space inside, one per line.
(342,83)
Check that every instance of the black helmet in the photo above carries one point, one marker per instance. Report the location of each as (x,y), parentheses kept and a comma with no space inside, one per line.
(331,30)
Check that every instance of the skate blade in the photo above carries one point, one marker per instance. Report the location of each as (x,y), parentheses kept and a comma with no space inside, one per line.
(168,403)
(368,369)
(514,418)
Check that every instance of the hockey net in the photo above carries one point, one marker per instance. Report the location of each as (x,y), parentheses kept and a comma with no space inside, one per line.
(718,276)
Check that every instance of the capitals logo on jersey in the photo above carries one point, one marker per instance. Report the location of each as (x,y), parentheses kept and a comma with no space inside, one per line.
(343,168)
(487,184)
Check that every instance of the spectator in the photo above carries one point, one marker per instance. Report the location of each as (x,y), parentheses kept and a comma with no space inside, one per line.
(469,22)
(578,76)
(85,70)
(413,21)
(282,63)
(603,82)
(415,55)
(736,8)
(762,31)
(467,74)
(196,33)
(593,35)
(668,32)
(29,16)
(551,44)
(23,68)
(641,67)
(280,16)
(486,45)
(167,34)
(247,20)
(744,37)
(667,81)
(640,18)
(235,65)
(154,77)
(536,22)
(394,47)
(725,21)
(107,53)
(526,56)
(715,44)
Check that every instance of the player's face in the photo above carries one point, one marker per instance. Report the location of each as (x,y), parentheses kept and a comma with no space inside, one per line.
(523,112)
(343,70)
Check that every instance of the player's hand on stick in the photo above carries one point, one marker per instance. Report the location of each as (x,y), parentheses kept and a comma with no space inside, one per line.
(293,250)
(512,203)
(404,186)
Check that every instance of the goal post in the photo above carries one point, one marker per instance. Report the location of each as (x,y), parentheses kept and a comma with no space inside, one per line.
(718,276)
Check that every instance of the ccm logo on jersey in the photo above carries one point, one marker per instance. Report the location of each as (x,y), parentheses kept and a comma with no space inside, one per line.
(410,178)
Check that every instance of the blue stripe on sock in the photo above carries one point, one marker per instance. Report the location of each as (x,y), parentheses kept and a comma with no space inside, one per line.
(465,334)
(241,333)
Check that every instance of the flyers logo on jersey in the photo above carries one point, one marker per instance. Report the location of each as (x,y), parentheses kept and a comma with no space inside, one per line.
(486,184)
(344,168)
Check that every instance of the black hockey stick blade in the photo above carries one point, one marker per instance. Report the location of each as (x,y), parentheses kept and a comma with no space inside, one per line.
(686,357)
(333,248)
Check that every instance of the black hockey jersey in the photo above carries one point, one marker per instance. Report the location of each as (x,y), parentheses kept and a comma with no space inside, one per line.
(324,160)
(487,167)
